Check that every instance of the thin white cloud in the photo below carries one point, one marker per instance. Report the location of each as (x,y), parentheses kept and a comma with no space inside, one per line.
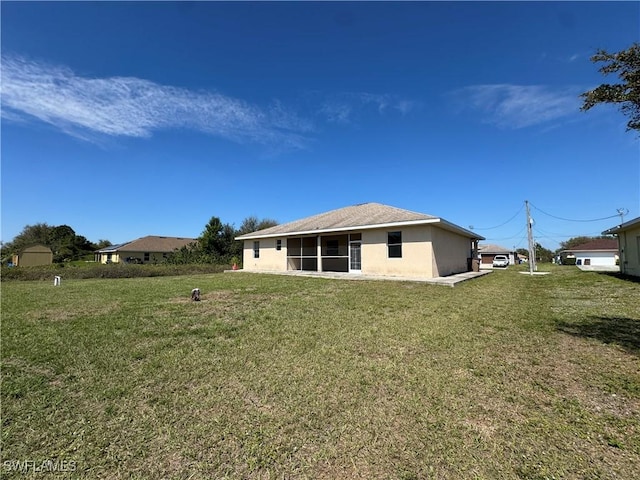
(518,106)
(133,107)
(343,108)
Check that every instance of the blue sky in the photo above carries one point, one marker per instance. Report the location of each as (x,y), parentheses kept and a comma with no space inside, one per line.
(129,119)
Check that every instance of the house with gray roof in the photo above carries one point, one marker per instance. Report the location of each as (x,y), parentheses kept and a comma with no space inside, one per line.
(487,253)
(369,238)
(150,249)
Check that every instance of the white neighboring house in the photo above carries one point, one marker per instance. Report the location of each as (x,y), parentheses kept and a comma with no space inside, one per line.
(629,246)
(599,252)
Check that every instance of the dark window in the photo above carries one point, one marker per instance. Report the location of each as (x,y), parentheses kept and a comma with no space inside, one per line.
(256,249)
(278,244)
(146,256)
(332,248)
(394,243)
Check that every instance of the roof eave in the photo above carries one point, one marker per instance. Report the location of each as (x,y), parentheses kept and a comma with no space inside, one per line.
(444,224)
(621,228)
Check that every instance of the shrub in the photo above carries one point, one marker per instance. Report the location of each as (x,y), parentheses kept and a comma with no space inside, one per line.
(114,270)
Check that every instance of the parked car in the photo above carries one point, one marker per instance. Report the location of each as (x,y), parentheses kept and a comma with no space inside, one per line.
(500,261)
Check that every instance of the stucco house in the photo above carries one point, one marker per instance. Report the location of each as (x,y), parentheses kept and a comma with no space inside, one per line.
(628,246)
(598,252)
(489,251)
(150,249)
(369,238)
(32,256)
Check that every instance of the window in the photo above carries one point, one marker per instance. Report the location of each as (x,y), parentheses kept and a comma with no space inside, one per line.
(394,244)
(278,245)
(256,249)
(333,248)
(146,256)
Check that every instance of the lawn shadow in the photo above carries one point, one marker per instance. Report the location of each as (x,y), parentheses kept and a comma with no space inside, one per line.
(622,276)
(622,331)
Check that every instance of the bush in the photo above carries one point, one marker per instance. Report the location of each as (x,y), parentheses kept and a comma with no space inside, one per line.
(114,270)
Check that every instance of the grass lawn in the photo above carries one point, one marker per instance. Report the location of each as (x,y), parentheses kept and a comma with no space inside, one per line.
(505,376)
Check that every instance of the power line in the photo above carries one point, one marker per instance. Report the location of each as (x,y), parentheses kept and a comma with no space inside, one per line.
(572,220)
(493,239)
(497,226)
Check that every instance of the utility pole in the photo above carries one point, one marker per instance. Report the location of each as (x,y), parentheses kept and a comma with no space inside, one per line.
(532,244)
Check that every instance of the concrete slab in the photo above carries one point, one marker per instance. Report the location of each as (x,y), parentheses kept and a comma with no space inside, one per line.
(450,281)
(599,268)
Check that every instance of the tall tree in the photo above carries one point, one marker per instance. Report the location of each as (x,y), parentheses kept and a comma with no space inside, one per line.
(216,241)
(626,64)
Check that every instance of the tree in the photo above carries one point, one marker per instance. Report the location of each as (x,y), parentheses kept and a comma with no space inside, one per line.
(30,235)
(626,64)
(62,240)
(216,241)
(543,254)
(252,224)
(102,243)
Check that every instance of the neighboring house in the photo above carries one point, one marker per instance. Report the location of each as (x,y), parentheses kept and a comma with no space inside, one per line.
(628,246)
(151,249)
(599,252)
(488,252)
(369,238)
(34,255)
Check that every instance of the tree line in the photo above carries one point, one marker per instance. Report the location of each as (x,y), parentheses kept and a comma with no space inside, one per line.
(215,244)
(63,241)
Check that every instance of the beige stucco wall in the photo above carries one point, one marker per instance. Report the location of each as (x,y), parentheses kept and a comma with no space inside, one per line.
(629,242)
(419,243)
(450,252)
(270,258)
(116,257)
(416,253)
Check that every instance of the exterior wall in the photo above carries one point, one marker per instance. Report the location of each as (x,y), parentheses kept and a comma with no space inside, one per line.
(416,253)
(32,256)
(427,252)
(104,258)
(121,256)
(450,252)
(629,242)
(595,258)
(270,258)
(154,257)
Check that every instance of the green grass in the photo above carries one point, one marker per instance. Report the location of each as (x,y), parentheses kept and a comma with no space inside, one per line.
(505,376)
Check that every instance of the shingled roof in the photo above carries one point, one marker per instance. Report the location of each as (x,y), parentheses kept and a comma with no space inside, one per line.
(600,244)
(361,216)
(491,248)
(150,244)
